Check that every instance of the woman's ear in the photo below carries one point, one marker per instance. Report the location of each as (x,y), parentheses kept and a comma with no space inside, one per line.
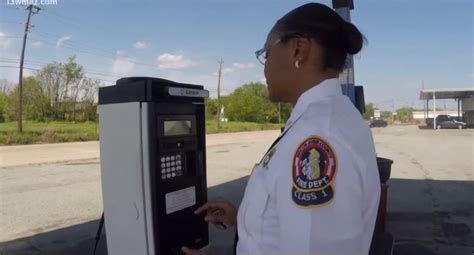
(301,49)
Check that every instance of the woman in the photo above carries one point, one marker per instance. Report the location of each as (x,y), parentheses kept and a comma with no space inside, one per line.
(316,190)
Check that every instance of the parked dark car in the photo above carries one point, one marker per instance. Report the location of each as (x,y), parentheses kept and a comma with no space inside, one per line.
(439,119)
(443,118)
(452,123)
(377,123)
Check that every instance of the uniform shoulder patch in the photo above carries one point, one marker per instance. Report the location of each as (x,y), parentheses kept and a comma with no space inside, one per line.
(314,168)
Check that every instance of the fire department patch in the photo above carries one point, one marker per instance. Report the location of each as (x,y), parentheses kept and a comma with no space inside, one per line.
(313,170)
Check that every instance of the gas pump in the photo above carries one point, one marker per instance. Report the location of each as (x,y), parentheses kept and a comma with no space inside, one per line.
(153,165)
(382,241)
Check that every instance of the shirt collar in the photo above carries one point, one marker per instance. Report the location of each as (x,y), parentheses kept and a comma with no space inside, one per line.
(325,89)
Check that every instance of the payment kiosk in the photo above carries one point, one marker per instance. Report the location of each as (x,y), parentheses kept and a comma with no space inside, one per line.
(153,165)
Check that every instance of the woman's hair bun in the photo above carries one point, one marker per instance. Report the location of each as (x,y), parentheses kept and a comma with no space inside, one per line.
(354,38)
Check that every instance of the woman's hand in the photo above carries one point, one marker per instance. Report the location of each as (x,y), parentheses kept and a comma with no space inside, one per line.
(220,213)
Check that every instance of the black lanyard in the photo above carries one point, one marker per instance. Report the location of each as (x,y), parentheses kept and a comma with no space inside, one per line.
(278,139)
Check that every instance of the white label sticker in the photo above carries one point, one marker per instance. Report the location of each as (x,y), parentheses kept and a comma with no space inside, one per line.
(180,199)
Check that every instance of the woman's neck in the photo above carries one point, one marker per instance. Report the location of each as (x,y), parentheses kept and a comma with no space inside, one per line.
(308,82)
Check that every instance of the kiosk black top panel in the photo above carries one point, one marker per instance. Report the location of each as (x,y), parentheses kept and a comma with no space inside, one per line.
(147,89)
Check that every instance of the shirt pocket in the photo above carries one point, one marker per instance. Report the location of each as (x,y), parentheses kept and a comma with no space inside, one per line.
(257,199)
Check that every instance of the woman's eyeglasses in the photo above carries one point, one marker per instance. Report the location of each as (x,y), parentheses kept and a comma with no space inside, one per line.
(262,54)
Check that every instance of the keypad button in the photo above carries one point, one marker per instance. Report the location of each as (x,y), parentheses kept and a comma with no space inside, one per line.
(167,158)
(178,156)
(172,163)
(173,174)
(172,157)
(178,168)
(178,163)
(173,169)
(163,171)
(163,165)
(162,159)
(168,175)
(168,170)
(168,164)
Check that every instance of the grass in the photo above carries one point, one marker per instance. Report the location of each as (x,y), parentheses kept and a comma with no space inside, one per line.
(227,127)
(48,132)
(60,131)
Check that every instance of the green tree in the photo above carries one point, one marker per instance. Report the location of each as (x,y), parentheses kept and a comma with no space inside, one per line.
(3,102)
(369,111)
(285,111)
(4,86)
(405,114)
(35,103)
(387,115)
(250,103)
(211,108)
(89,89)
(69,91)
(74,75)
(51,79)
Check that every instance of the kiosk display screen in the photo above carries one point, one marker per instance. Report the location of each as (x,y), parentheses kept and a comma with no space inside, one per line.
(177,127)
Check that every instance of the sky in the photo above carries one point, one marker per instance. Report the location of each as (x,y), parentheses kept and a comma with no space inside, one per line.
(409,43)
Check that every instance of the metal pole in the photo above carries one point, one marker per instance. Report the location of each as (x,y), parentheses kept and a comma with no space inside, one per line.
(424,111)
(393,111)
(434,109)
(346,77)
(344,10)
(427,108)
(219,95)
(459,108)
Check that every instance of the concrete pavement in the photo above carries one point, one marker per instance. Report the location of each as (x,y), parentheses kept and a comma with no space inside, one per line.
(18,155)
(52,208)
(47,207)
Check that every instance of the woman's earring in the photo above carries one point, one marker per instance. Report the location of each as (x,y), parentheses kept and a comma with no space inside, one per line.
(297,64)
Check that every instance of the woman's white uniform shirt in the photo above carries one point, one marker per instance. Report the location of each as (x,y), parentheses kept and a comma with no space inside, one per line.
(317,191)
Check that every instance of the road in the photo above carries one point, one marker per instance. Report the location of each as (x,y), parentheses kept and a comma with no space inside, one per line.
(430,196)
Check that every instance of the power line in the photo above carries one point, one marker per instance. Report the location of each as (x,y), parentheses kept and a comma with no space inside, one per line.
(8,36)
(36,69)
(86,49)
(73,21)
(64,21)
(28,68)
(12,22)
(69,18)
(81,49)
(87,71)
(73,43)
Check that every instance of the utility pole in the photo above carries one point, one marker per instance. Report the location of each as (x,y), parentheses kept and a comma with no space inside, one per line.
(221,62)
(424,106)
(31,10)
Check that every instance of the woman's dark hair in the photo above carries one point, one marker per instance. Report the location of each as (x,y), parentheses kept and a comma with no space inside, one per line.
(319,22)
